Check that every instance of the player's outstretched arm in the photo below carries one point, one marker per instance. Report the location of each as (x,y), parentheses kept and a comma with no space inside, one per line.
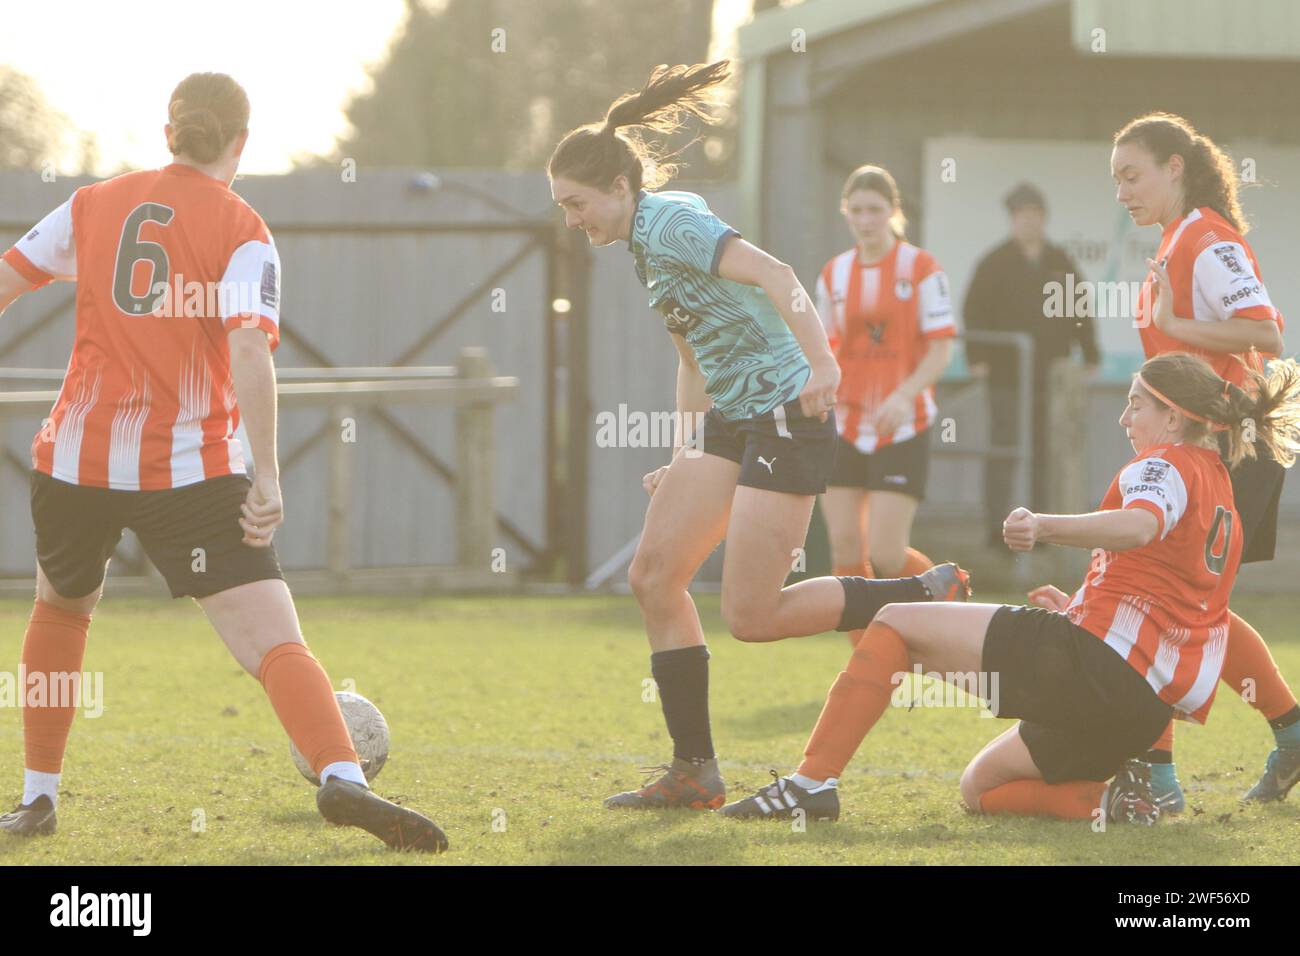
(1121,529)
(12,285)
(743,262)
(253,374)
(1230,335)
(693,403)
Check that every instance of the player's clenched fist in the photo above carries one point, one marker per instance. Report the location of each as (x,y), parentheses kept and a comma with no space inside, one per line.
(651,481)
(1020,530)
(1050,597)
(818,395)
(263,512)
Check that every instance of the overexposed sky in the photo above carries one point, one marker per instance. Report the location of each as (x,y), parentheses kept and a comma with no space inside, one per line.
(111,66)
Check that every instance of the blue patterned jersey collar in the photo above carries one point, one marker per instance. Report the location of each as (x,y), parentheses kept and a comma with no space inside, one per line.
(631,232)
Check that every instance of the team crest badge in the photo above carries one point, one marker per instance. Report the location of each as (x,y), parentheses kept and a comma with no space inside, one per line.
(903,289)
(1155,472)
(1228,256)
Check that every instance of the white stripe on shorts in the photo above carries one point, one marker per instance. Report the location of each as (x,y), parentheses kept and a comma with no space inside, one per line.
(778,416)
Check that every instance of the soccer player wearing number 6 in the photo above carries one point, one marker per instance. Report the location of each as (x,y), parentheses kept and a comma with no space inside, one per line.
(1205,294)
(887,313)
(755,368)
(1143,638)
(178,305)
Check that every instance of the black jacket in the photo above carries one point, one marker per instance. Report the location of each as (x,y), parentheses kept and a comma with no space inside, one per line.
(1006,295)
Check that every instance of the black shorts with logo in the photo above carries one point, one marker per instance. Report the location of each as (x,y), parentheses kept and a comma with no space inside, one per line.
(1083,709)
(191,534)
(903,466)
(1257,492)
(781,450)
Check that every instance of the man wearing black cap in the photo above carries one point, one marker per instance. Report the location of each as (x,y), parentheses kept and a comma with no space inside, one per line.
(1007,295)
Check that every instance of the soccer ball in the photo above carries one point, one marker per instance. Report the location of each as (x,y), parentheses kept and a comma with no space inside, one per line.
(369,733)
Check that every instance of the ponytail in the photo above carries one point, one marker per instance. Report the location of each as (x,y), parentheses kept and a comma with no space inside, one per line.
(206,112)
(1269,412)
(598,153)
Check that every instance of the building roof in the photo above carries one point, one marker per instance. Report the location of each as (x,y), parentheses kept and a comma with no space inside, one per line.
(1262,29)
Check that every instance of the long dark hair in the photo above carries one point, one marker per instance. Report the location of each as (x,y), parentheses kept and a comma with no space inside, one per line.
(206,111)
(597,154)
(1209,176)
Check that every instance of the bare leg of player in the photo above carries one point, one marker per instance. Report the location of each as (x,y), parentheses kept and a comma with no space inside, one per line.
(1003,779)
(259,624)
(947,638)
(83,605)
(764,538)
(845,510)
(252,619)
(1004,759)
(890,530)
(684,523)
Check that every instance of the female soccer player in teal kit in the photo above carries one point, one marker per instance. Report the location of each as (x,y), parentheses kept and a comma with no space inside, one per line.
(756,366)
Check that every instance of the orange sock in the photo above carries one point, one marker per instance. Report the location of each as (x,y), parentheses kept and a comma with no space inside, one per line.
(915,563)
(849,571)
(301,695)
(1075,800)
(857,699)
(1166,740)
(1248,662)
(55,643)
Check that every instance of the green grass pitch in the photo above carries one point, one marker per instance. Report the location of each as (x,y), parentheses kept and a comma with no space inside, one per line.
(513,717)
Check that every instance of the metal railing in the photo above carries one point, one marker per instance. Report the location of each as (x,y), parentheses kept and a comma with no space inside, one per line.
(470,387)
(1020,450)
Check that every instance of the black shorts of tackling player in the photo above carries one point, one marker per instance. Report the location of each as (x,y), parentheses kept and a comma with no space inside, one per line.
(903,467)
(1084,711)
(191,534)
(781,450)
(1256,491)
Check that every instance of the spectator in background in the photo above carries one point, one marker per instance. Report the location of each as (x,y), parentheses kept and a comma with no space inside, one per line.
(1007,295)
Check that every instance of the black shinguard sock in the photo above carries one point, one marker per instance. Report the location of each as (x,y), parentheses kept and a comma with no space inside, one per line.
(1286,720)
(863,597)
(683,679)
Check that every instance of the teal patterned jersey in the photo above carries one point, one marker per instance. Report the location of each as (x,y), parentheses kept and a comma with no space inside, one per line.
(750,359)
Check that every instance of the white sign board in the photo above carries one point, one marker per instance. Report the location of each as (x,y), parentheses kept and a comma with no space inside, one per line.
(963,218)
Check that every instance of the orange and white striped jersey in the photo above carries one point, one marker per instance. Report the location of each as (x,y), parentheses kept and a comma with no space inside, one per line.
(1214,277)
(880,318)
(167,262)
(1164,607)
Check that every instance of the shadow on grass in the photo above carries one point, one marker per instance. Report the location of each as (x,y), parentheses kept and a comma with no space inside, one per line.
(307,815)
(768,722)
(12,846)
(617,842)
(979,841)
